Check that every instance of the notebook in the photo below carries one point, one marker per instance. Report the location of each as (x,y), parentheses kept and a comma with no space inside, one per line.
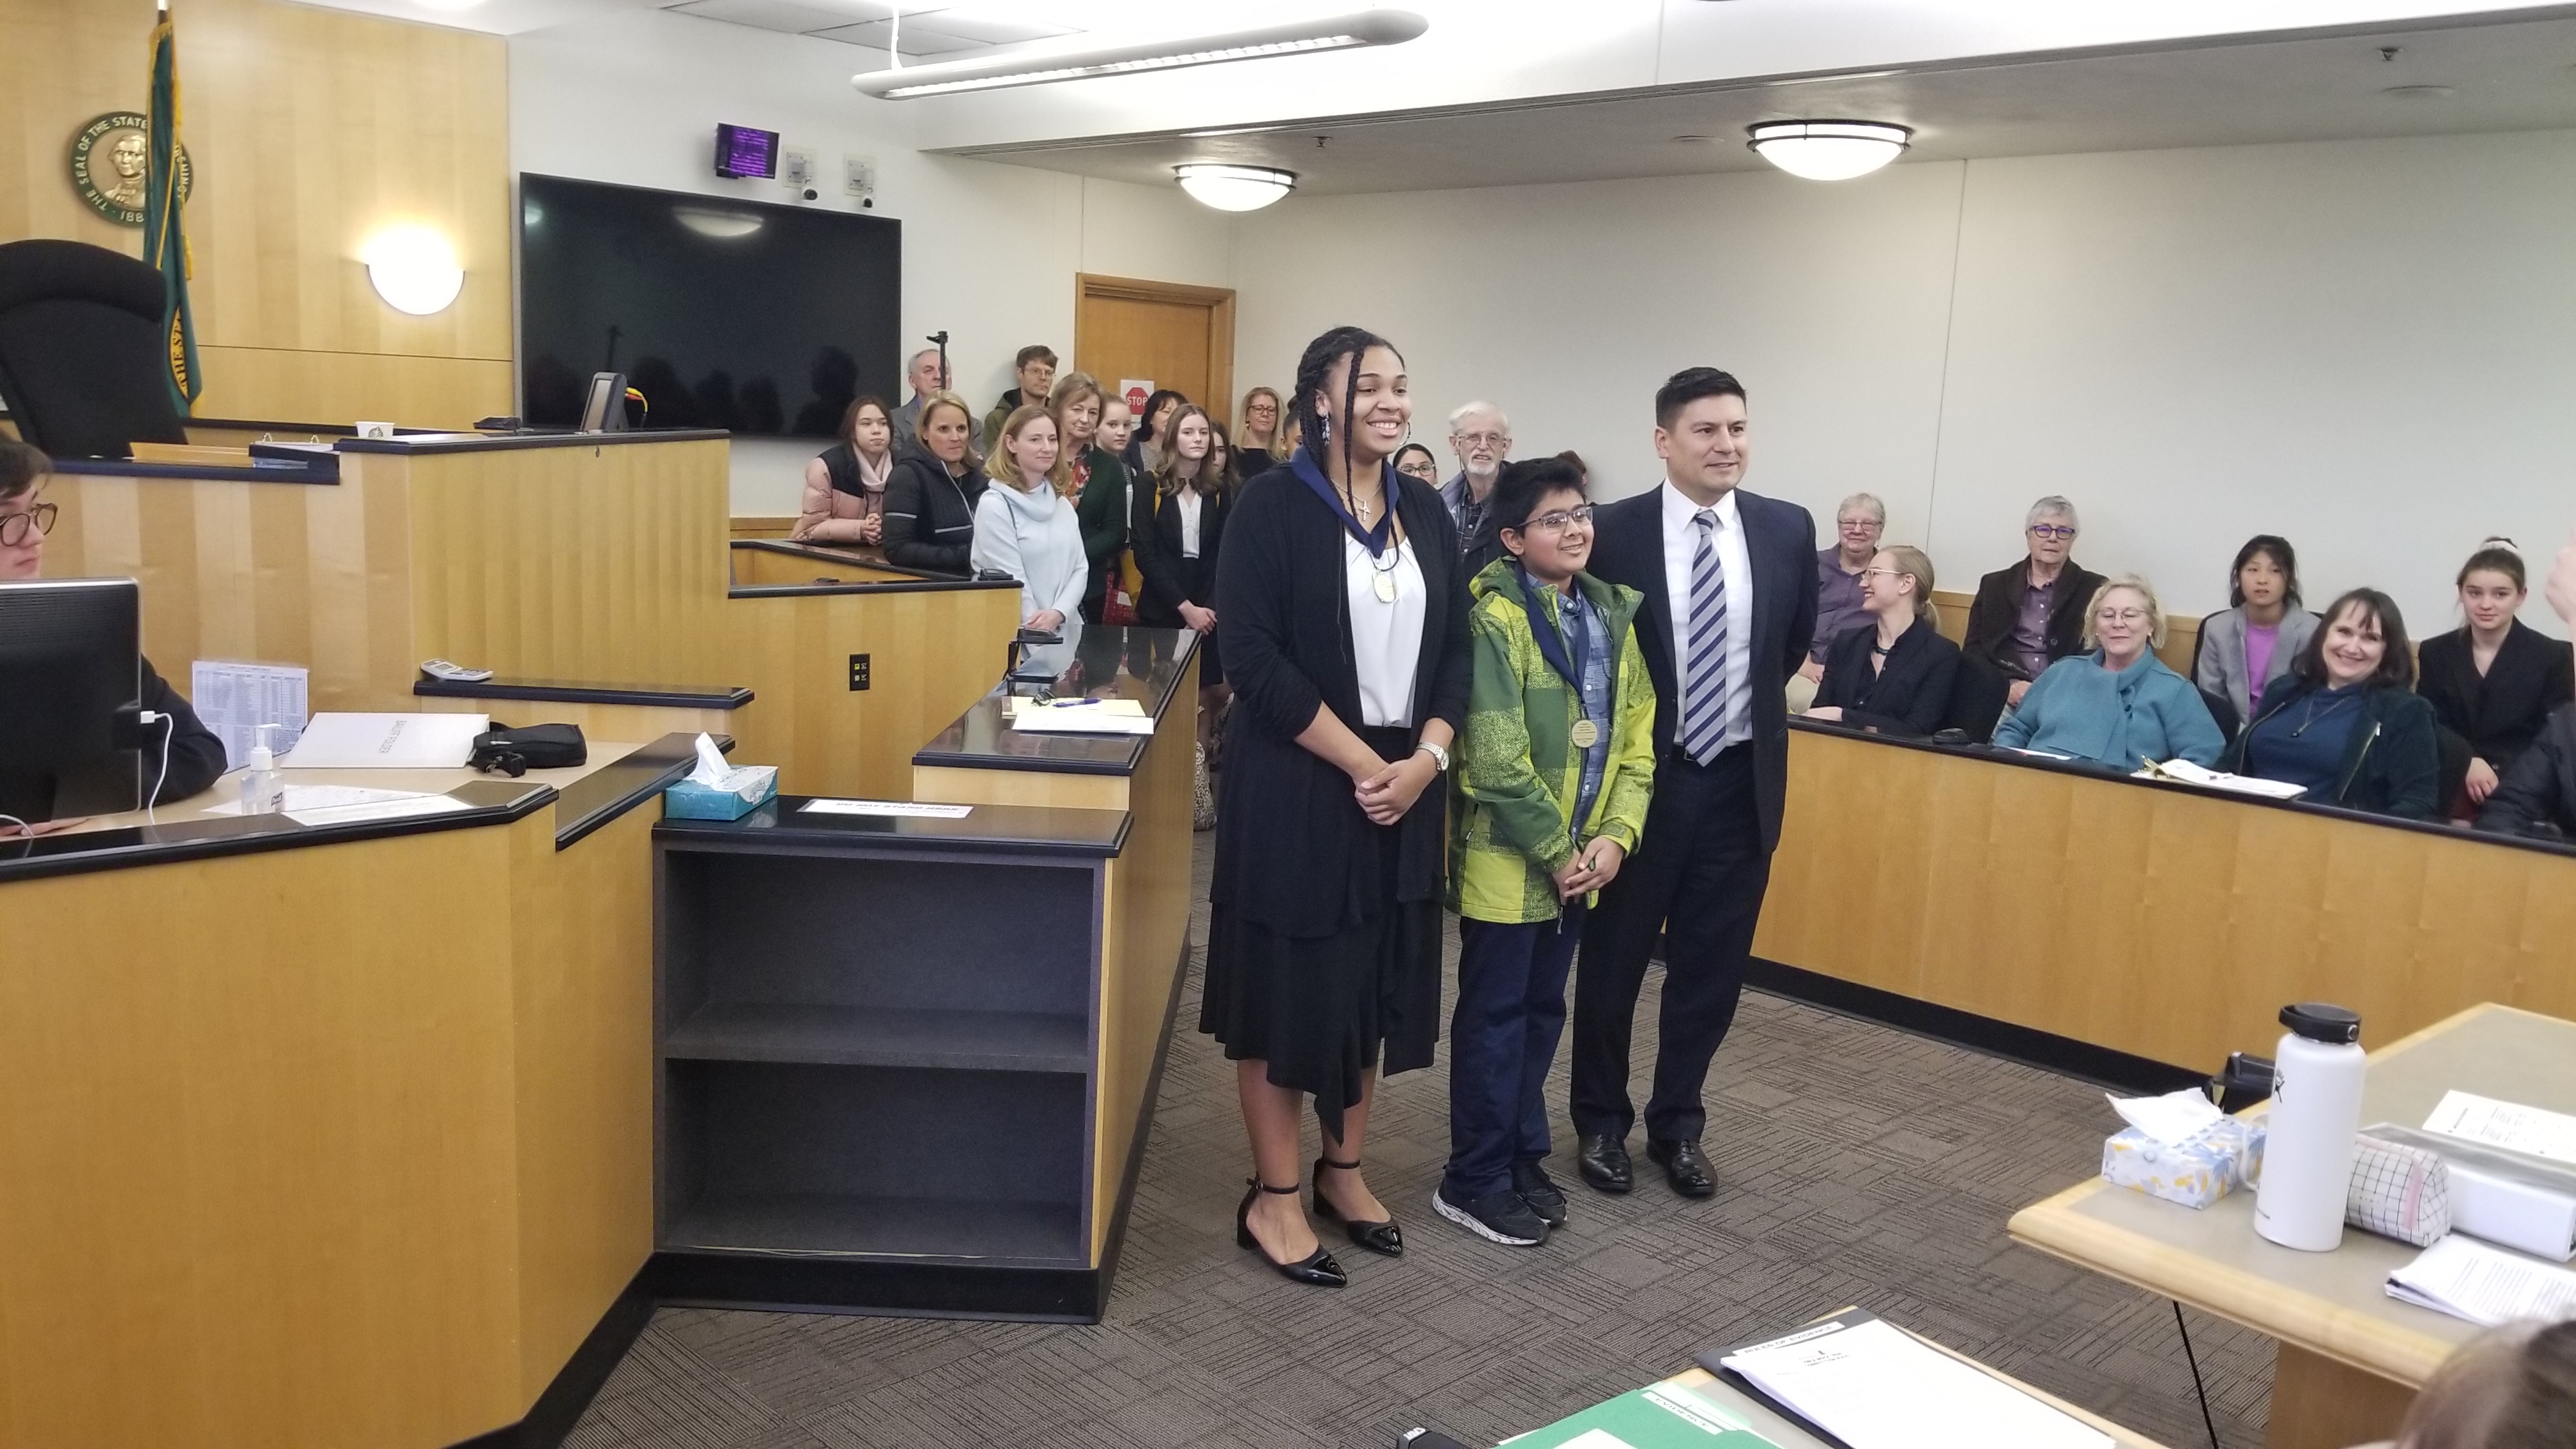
(1867,1384)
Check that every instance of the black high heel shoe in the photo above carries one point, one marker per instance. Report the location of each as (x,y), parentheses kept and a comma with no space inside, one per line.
(1382,1237)
(1316,1270)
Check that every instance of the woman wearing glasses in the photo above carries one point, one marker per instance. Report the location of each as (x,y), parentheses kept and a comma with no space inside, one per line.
(2119,706)
(2346,721)
(1554,772)
(1892,674)
(195,756)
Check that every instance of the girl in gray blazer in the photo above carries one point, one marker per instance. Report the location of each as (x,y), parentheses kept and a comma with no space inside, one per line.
(2252,642)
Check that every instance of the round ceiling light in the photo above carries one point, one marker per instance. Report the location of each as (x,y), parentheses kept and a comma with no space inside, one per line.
(1828,150)
(1234,188)
(414,270)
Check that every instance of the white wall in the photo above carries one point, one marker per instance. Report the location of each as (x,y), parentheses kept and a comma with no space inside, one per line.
(2367,346)
(990,251)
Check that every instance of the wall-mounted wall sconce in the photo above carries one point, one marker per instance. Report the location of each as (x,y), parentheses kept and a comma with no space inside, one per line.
(413,269)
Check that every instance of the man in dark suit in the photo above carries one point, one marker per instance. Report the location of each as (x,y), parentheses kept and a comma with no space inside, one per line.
(1730,585)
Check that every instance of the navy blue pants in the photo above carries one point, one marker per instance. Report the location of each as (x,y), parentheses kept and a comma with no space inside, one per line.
(1502,1037)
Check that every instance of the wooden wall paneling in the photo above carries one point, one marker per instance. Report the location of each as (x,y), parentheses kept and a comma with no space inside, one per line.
(343,387)
(757,567)
(583,1072)
(2182,631)
(260,1161)
(2157,922)
(1148,914)
(931,654)
(599,723)
(746,525)
(957,786)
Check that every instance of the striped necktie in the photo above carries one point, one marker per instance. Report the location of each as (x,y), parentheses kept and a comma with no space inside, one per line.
(1704,672)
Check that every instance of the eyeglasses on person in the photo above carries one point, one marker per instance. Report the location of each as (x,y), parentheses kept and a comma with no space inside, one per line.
(1483,440)
(14,526)
(1557,521)
(2052,530)
(2121,616)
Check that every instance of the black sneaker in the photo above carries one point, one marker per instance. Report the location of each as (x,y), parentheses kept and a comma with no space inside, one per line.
(1499,1217)
(1539,1190)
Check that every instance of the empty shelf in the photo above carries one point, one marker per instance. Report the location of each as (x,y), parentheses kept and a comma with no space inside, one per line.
(883,1227)
(992,1041)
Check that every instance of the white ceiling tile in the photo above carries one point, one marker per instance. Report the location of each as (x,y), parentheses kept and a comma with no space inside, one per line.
(985,31)
(766,14)
(917,41)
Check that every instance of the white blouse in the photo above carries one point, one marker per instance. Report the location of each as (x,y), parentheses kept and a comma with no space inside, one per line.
(1188,498)
(1386,636)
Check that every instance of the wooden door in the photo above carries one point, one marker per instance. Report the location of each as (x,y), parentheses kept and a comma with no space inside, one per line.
(1171,335)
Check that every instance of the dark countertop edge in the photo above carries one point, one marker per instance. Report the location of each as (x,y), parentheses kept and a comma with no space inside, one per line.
(826,553)
(128,468)
(567,692)
(607,793)
(1996,756)
(342,430)
(849,831)
(499,442)
(255,842)
(929,584)
(1183,663)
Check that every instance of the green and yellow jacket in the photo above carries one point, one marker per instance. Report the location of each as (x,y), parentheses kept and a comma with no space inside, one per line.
(1511,818)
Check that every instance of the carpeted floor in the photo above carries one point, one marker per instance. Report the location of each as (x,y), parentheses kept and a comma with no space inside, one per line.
(1856,1165)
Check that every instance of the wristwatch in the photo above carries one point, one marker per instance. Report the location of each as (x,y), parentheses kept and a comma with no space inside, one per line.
(1439,756)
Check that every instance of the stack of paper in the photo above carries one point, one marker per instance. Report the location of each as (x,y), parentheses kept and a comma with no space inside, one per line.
(2509,1125)
(386,742)
(2187,773)
(2467,1279)
(1873,1386)
(1081,717)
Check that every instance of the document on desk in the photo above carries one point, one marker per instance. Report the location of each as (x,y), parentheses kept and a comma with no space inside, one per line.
(1870,1384)
(2184,772)
(1083,717)
(914,808)
(325,797)
(2509,1125)
(386,742)
(1659,1416)
(2467,1279)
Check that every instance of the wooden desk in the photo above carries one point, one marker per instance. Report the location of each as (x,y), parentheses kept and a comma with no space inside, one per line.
(332,1135)
(2351,1357)
(2156,920)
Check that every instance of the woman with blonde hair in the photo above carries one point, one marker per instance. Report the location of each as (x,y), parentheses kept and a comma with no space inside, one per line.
(1892,673)
(2118,706)
(931,495)
(1094,480)
(1257,431)
(1023,526)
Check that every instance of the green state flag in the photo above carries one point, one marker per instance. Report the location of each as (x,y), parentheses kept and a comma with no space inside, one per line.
(165,242)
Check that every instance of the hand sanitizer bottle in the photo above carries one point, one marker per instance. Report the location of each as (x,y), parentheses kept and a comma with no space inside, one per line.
(263,790)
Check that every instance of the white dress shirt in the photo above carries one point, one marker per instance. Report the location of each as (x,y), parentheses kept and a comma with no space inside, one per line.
(1188,498)
(1386,637)
(1681,543)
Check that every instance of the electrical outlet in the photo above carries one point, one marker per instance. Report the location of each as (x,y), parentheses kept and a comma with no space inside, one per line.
(795,168)
(858,671)
(859,175)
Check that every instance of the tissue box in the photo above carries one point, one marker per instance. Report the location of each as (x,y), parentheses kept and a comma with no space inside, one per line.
(745,789)
(2205,1167)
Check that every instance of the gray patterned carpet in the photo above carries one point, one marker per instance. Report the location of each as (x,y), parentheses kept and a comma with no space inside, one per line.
(1856,1165)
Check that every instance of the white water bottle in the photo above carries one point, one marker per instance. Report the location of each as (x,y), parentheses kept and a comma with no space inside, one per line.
(2316,1108)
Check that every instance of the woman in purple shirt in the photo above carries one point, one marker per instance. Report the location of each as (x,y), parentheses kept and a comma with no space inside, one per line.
(2251,643)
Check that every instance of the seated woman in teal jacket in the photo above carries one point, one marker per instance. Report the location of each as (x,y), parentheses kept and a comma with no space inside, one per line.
(2118,707)
(2346,721)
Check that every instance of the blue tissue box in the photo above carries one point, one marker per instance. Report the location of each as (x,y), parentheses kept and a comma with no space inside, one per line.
(746,788)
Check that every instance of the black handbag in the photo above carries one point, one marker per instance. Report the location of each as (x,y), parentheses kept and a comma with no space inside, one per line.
(538,747)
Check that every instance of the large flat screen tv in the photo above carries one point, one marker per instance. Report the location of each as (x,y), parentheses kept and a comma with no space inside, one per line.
(742,315)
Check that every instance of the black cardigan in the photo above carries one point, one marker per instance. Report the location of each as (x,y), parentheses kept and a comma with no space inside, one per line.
(2495,718)
(1170,579)
(1997,610)
(2538,795)
(930,516)
(2390,765)
(1909,695)
(1292,848)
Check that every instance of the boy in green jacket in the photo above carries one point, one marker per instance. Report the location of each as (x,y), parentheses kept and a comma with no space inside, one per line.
(1554,771)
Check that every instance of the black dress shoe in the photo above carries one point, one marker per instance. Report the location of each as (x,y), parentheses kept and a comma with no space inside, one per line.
(1604,1164)
(1684,1166)
(1316,1270)
(1382,1237)
(1540,1191)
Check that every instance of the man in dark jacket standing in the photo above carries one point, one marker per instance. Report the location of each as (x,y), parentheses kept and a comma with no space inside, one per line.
(2031,615)
(1730,585)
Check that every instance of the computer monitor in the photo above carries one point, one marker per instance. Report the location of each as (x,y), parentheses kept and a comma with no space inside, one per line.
(71,680)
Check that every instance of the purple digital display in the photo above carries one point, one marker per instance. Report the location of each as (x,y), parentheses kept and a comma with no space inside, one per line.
(743,151)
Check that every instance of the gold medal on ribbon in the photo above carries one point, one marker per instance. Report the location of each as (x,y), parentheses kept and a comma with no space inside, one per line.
(1585,735)
(1386,588)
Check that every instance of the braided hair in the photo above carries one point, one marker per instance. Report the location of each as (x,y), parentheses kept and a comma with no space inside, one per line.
(1312,369)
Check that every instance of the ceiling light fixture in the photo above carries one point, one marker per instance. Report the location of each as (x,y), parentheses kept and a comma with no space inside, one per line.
(1828,150)
(1234,188)
(1041,65)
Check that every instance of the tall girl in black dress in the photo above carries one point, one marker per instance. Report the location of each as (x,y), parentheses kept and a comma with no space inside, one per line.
(1342,612)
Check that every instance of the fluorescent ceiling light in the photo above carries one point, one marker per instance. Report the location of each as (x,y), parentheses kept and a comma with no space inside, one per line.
(1828,150)
(1235,188)
(1042,64)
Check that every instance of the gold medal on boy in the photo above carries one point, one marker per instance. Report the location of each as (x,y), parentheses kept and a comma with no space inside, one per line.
(1585,734)
(111,162)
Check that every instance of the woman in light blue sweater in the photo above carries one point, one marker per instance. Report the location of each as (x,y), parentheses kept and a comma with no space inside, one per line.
(1025,528)
(2118,707)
